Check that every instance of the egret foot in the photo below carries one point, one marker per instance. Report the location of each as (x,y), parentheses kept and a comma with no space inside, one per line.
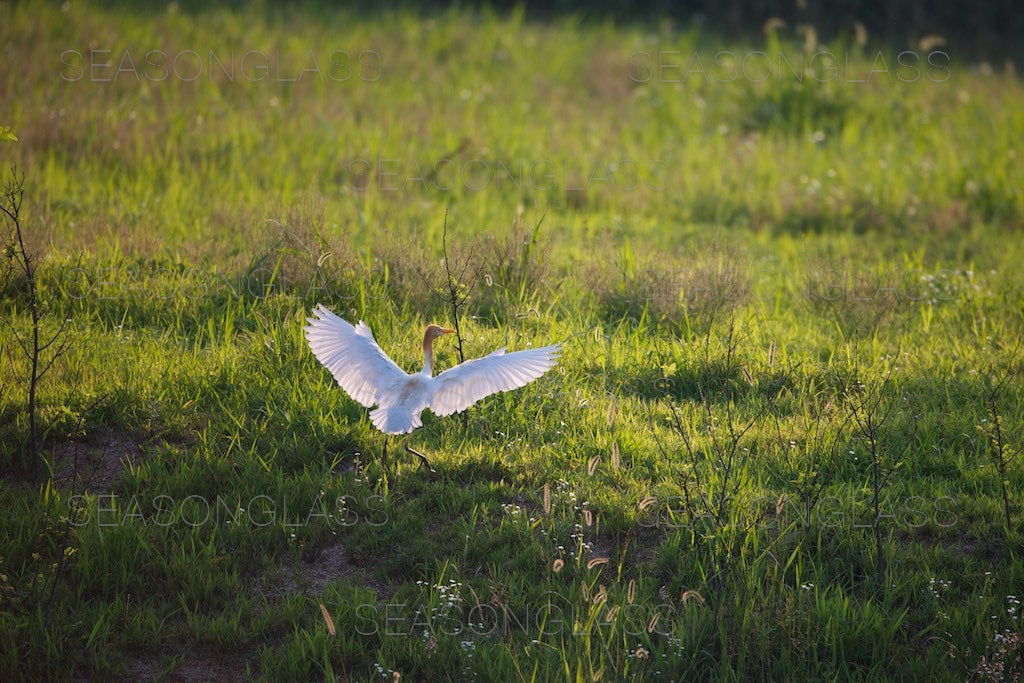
(423,459)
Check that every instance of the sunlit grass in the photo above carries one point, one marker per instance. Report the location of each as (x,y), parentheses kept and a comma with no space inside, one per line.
(841,231)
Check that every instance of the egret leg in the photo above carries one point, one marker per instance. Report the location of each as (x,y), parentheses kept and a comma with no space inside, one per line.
(423,459)
(384,455)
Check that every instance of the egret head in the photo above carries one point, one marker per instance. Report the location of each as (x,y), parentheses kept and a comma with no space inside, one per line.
(435,331)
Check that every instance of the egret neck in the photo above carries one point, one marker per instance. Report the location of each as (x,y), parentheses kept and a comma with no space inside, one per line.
(432,333)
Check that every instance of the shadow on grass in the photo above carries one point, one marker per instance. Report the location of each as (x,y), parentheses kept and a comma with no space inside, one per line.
(717,381)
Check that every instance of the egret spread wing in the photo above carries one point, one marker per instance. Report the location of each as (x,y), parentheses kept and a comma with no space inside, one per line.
(460,387)
(351,354)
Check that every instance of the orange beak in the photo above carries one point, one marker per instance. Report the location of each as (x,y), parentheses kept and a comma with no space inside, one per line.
(447,330)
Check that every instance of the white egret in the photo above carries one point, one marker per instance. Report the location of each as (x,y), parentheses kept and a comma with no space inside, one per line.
(365,372)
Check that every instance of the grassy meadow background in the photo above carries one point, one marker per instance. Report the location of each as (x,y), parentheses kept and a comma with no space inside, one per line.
(782,290)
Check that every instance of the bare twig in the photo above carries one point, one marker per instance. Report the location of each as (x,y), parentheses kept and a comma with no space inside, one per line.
(999,450)
(456,298)
(724,453)
(870,410)
(19,253)
(811,466)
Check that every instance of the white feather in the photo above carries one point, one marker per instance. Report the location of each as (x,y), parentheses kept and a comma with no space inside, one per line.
(352,356)
(460,387)
(366,373)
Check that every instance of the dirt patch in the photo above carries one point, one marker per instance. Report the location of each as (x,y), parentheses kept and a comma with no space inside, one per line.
(191,666)
(95,463)
(144,667)
(990,550)
(642,546)
(201,666)
(603,547)
(312,574)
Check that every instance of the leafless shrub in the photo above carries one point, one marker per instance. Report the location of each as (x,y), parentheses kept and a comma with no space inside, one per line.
(716,283)
(515,267)
(1000,451)
(809,457)
(489,276)
(106,234)
(687,294)
(873,409)
(458,282)
(716,438)
(410,274)
(634,291)
(299,256)
(857,300)
(40,347)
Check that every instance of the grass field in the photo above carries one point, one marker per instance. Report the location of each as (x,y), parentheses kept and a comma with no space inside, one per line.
(790,293)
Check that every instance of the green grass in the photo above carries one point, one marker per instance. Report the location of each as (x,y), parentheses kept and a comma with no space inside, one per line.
(721,253)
